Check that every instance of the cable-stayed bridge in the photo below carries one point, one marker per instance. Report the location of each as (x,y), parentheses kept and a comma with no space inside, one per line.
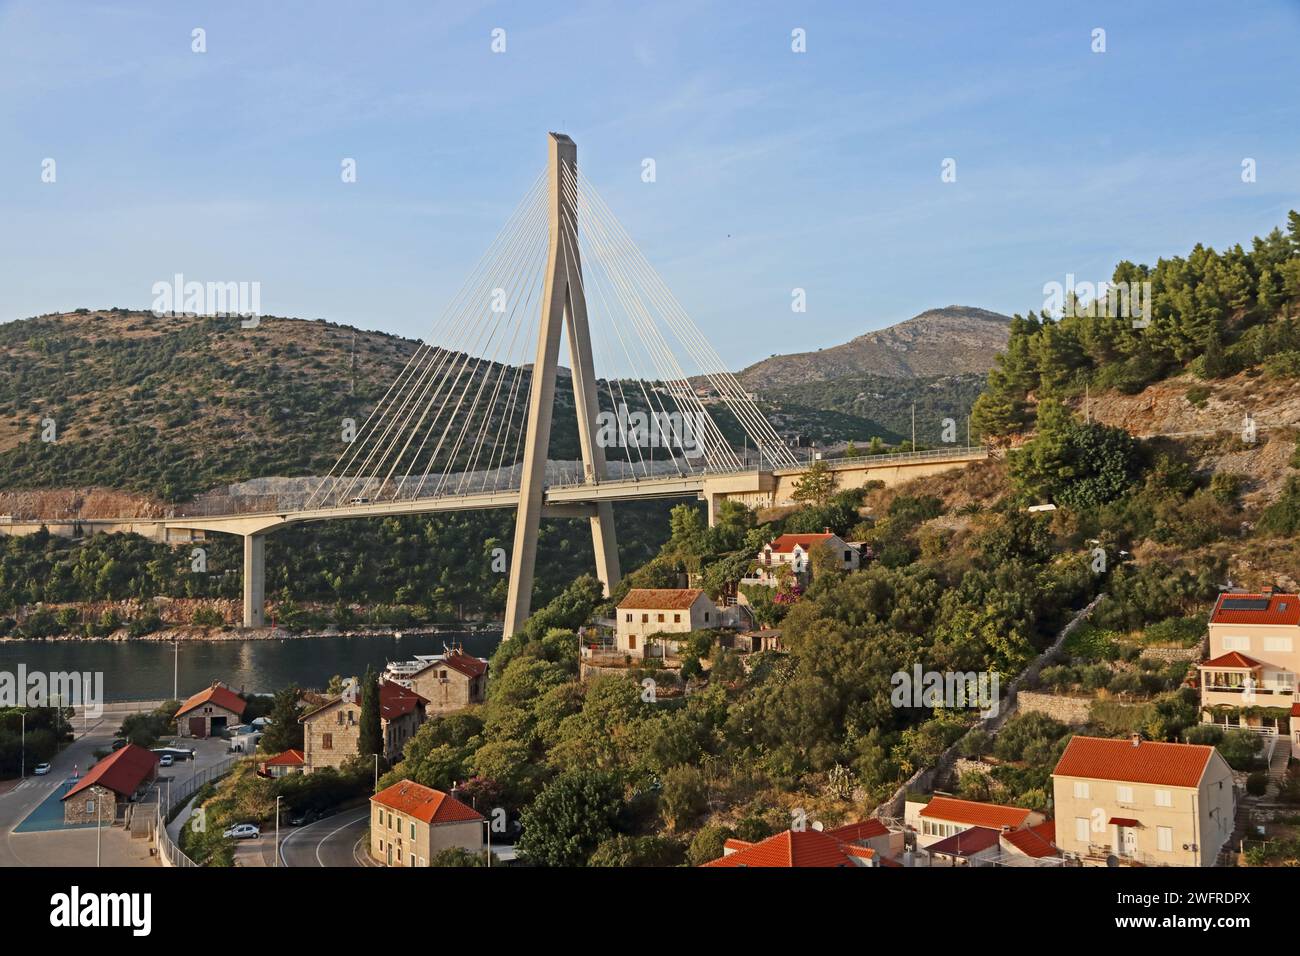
(468,422)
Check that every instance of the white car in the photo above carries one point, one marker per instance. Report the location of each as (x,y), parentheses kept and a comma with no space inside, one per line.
(41,769)
(243,831)
(165,760)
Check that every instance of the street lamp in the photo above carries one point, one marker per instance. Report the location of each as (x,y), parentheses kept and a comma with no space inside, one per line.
(277,830)
(99,816)
(22,750)
(176,669)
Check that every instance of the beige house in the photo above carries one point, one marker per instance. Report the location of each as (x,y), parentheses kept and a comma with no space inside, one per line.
(795,552)
(210,711)
(1143,802)
(944,817)
(410,824)
(450,683)
(332,732)
(649,611)
(1249,678)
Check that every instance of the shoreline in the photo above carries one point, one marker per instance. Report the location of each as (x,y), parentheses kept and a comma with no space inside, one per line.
(220,635)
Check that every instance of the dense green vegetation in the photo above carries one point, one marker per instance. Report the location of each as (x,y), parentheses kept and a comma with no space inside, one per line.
(883,404)
(46,728)
(1212,313)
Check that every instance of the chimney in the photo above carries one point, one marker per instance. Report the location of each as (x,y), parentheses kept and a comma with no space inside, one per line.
(826,530)
(1136,738)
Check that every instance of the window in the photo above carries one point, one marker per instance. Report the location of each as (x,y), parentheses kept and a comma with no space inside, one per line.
(340,718)
(1124,794)
(90,806)
(412,831)
(379,817)
(677,619)
(1165,839)
(706,617)
(326,741)
(631,642)
(1164,798)
(1278,644)
(660,619)
(1081,789)
(848,557)
(629,617)
(1081,829)
(1236,643)
(390,821)
(645,618)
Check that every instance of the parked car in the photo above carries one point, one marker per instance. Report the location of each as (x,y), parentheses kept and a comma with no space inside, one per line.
(165,760)
(243,831)
(41,769)
(119,743)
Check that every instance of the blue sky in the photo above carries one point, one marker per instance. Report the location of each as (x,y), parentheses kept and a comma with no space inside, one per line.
(775,170)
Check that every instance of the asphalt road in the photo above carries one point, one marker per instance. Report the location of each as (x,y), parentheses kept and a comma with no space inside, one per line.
(77,847)
(333,841)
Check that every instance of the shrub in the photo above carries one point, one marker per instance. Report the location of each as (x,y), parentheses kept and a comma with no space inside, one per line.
(1257,783)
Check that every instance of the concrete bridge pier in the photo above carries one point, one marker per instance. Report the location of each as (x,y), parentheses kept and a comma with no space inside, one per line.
(254,580)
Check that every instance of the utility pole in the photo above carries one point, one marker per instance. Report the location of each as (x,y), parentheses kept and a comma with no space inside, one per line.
(176,669)
(914,426)
(277,830)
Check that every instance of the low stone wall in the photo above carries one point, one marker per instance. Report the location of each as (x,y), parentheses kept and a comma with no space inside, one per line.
(1068,710)
(1171,653)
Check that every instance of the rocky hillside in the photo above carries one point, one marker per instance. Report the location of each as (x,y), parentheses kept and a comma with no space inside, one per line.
(950,341)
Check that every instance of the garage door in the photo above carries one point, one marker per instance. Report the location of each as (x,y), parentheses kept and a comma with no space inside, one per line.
(198,727)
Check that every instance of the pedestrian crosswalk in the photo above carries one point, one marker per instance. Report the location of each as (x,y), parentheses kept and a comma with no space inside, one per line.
(31,784)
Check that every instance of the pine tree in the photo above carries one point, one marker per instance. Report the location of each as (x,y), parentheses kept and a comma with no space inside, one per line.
(371,736)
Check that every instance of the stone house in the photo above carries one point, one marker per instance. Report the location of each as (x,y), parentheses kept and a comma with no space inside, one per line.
(109,785)
(451,682)
(332,732)
(648,611)
(209,711)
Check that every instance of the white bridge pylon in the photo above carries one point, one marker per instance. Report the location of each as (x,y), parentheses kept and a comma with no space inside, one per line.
(472,413)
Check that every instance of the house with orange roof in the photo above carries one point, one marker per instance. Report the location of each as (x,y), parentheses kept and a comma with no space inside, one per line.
(647,612)
(1030,846)
(1249,678)
(943,817)
(1132,801)
(794,551)
(859,844)
(109,785)
(332,731)
(283,764)
(450,682)
(209,711)
(410,824)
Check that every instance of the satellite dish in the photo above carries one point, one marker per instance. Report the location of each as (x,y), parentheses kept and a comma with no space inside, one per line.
(1112,860)
(818,826)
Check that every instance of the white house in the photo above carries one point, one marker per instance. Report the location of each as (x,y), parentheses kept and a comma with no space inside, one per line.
(795,551)
(648,611)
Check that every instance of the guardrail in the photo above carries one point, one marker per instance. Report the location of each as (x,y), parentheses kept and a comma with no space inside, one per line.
(168,851)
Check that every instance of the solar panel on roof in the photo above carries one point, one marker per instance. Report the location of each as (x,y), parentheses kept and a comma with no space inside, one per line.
(1245,604)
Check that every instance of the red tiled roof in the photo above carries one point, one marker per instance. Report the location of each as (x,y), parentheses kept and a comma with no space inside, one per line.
(122,771)
(991,815)
(467,664)
(1280,609)
(424,803)
(660,599)
(217,695)
(1233,659)
(1162,764)
(290,758)
(786,543)
(805,848)
(967,842)
(855,832)
(1037,841)
(397,701)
